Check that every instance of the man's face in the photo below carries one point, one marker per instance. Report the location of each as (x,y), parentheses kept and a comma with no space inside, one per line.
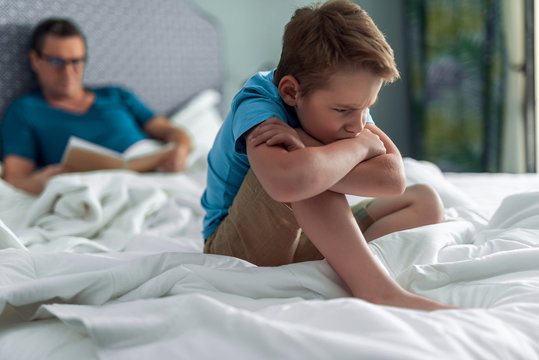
(339,110)
(60,66)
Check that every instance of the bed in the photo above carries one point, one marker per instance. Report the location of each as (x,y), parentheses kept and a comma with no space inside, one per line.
(109,264)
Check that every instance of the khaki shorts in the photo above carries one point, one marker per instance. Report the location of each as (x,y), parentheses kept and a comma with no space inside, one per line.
(264,231)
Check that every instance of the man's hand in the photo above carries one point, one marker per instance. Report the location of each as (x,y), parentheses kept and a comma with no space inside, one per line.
(160,128)
(40,177)
(274,132)
(176,160)
(20,172)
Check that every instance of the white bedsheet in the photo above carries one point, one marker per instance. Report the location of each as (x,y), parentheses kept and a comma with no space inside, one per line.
(488,190)
(148,292)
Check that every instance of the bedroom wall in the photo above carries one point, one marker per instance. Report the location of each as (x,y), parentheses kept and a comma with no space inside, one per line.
(252,31)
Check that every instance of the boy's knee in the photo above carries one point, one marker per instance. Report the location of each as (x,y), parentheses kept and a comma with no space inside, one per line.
(428,202)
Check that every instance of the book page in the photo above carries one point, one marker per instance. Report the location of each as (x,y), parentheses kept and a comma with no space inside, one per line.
(143,156)
(146,155)
(79,159)
(142,148)
(82,155)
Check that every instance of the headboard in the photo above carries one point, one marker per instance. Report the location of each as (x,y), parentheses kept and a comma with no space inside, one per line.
(166,51)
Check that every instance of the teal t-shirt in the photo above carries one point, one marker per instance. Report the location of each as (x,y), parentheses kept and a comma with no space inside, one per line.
(257,101)
(32,129)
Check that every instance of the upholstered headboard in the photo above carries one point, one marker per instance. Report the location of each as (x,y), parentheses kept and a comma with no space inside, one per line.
(166,51)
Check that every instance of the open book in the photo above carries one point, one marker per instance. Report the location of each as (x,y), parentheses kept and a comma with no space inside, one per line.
(145,155)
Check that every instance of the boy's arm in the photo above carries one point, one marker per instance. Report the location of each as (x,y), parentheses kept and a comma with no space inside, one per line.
(290,172)
(380,176)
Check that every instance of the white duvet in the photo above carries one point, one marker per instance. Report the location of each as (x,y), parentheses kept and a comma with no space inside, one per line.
(108,265)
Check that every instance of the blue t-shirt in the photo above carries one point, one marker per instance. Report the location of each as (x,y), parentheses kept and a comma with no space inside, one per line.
(32,129)
(257,101)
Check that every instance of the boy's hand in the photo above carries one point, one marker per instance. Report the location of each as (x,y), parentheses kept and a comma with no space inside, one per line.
(375,146)
(274,132)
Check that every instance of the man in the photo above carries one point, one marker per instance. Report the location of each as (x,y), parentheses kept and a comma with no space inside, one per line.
(37,126)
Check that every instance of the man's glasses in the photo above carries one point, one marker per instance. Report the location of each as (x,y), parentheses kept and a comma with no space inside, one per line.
(58,63)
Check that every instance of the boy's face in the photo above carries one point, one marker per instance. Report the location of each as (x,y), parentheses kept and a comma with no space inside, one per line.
(339,110)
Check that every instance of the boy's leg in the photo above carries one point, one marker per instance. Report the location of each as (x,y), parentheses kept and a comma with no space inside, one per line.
(260,230)
(328,222)
(419,205)
(362,216)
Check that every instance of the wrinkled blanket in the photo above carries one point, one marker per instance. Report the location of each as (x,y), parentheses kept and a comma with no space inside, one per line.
(171,301)
(105,211)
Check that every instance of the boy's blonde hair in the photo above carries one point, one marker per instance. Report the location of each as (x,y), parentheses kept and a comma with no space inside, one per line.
(325,38)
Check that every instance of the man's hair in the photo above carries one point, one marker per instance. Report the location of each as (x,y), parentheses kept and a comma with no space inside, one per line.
(53,26)
(323,39)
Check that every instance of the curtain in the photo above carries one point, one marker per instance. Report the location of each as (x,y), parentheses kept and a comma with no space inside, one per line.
(457,76)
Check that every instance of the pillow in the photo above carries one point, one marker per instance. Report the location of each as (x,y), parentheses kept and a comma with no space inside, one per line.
(201,119)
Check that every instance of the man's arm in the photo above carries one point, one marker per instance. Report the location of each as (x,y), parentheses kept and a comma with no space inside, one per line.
(159,127)
(19,172)
(299,173)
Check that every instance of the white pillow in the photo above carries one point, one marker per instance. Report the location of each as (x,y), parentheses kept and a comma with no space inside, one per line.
(201,119)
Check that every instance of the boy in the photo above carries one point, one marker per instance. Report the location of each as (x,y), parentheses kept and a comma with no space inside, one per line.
(297,140)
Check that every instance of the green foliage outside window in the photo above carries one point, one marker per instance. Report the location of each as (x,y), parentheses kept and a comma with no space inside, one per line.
(456,79)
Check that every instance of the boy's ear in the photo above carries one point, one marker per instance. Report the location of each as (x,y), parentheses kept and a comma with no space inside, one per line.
(289,90)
